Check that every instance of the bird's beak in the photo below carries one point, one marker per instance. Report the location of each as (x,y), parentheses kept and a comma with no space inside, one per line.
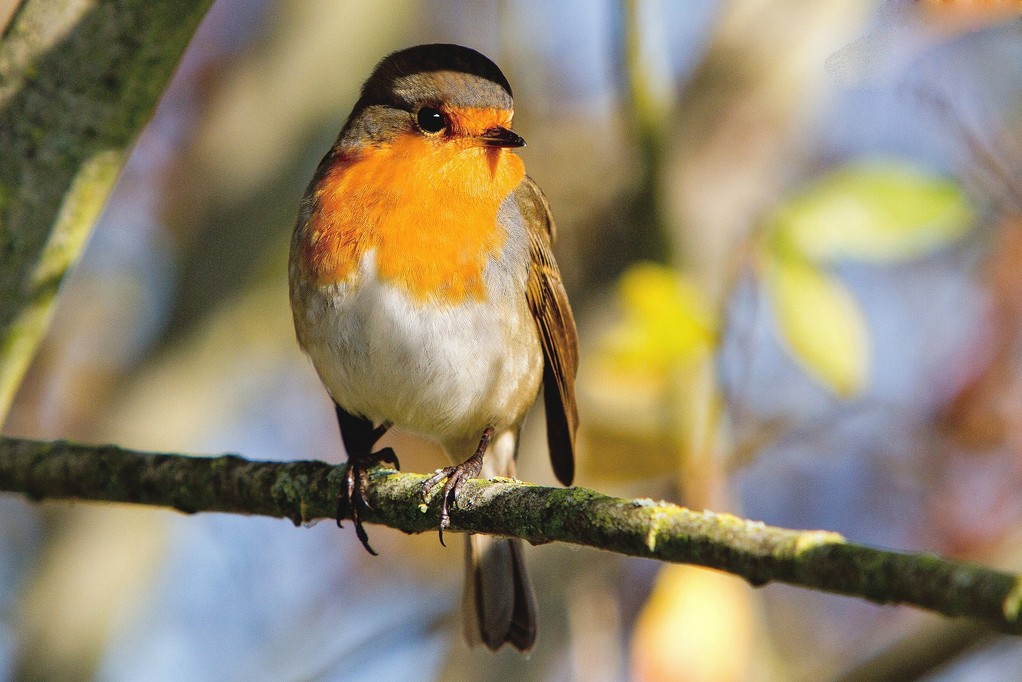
(501,137)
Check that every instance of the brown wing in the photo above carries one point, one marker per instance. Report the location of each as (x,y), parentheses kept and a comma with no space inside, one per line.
(550,309)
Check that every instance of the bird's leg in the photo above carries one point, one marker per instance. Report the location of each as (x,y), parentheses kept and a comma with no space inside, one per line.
(456,476)
(359,437)
(353,496)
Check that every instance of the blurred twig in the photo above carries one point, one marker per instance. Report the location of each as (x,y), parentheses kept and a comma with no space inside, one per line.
(920,654)
(304,491)
(649,102)
(78,80)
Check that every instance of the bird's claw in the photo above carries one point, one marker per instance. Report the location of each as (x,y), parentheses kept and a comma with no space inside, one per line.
(353,496)
(456,477)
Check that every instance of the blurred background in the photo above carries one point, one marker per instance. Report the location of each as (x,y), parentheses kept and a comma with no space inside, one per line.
(792,236)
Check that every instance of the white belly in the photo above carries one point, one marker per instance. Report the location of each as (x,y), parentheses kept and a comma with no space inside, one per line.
(446,372)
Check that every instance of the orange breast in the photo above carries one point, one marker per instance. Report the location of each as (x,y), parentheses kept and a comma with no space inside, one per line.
(427,206)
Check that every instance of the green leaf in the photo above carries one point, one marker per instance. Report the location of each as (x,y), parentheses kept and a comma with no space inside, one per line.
(877,211)
(821,324)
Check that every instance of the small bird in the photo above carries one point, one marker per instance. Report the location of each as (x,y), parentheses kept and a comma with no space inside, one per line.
(425,292)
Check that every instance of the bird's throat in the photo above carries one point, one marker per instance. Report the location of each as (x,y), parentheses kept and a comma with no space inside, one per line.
(427,210)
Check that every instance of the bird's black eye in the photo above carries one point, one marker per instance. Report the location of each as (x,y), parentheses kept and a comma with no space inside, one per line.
(431,120)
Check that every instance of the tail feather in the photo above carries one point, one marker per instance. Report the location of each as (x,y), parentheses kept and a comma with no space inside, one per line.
(499,604)
(522,633)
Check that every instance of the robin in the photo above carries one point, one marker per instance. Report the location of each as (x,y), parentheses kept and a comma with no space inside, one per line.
(425,292)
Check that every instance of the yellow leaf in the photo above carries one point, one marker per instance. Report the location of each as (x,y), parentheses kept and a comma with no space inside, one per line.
(697,626)
(665,322)
(645,386)
(820,323)
(876,210)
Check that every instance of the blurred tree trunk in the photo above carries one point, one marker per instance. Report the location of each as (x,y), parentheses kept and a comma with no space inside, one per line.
(78,81)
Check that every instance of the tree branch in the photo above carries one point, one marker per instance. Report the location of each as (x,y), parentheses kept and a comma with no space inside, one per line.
(78,80)
(305,491)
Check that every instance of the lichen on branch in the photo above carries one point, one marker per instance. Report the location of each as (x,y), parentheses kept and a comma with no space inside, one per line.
(304,491)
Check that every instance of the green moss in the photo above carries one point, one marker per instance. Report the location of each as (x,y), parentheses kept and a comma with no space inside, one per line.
(218,464)
(815,559)
(1012,604)
(289,487)
(656,522)
(810,540)
(6,198)
(74,96)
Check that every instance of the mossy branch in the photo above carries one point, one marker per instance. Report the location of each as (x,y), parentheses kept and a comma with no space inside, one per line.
(78,80)
(305,491)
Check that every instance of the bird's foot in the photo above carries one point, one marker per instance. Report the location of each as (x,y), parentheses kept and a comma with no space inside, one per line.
(456,477)
(353,495)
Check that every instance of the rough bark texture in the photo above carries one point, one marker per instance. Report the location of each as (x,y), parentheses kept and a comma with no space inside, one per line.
(305,491)
(78,80)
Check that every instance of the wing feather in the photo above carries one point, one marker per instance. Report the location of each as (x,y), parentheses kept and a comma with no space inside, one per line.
(556,325)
